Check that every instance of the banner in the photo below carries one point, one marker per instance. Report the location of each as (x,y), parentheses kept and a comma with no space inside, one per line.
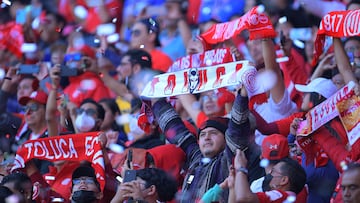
(74,147)
(349,113)
(208,58)
(336,24)
(255,21)
(325,111)
(197,80)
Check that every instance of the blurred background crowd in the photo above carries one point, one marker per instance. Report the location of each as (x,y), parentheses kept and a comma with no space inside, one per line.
(71,67)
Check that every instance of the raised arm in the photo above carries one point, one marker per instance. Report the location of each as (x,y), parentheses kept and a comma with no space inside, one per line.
(242,188)
(238,133)
(51,106)
(268,51)
(343,62)
(175,130)
(10,81)
(188,101)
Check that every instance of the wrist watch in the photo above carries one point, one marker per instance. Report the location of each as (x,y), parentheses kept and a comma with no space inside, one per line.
(243,170)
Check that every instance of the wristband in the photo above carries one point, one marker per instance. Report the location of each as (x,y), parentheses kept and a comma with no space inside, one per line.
(7,78)
(242,170)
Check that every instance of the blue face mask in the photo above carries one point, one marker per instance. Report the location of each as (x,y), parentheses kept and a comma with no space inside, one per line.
(83,196)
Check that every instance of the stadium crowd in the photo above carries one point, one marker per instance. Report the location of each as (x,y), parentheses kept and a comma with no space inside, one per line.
(179,101)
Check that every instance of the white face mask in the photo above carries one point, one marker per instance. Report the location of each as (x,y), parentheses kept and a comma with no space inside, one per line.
(135,131)
(84,122)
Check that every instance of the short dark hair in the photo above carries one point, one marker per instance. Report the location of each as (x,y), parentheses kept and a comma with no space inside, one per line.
(152,26)
(111,103)
(357,38)
(166,185)
(139,56)
(296,174)
(352,2)
(18,178)
(352,167)
(100,110)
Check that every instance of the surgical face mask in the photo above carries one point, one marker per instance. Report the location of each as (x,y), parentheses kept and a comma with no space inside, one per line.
(83,196)
(84,122)
(135,131)
(266,182)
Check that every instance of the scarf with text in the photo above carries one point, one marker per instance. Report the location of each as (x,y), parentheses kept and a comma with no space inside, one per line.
(255,21)
(336,24)
(197,80)
(329,109)
(208,58)
(74,147)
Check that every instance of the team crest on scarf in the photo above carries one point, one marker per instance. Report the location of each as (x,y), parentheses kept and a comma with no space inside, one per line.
(193,76)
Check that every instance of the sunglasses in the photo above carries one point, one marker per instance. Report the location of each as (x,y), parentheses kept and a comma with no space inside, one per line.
(89,112)
(32,107)
(87,181)
(73,57)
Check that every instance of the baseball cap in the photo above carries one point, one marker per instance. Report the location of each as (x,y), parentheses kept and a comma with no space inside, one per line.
(140,56)
(219,123)
(152,26)
(84,171)
(323,86)
(37,96)
(275,147)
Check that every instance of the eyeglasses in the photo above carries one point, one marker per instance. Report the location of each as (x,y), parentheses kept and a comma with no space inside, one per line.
(135,33)
(87,181)
(32,107)
(89,112)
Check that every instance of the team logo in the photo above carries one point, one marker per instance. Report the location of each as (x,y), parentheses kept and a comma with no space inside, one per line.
(193,76)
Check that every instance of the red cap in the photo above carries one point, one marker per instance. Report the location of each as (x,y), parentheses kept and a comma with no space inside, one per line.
(275,147)
(37,96)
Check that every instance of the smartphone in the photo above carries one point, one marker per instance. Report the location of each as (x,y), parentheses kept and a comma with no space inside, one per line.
(351,58)
(68,72)
(28,69)
(21,16)
(129,158)
(129,176)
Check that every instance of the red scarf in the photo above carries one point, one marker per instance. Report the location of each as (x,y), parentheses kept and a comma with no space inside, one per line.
(336,24)
(12,38)
(75,147)
(257,23)
(208,58)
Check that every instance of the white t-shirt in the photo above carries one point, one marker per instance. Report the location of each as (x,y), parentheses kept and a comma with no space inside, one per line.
(256,185)
(271,112)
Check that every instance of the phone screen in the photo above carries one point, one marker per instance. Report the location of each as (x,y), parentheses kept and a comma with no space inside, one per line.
(28,69)
(130,175)
(21,16)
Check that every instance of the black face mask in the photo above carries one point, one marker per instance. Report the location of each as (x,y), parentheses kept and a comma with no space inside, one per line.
(83,196)
(266,182)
